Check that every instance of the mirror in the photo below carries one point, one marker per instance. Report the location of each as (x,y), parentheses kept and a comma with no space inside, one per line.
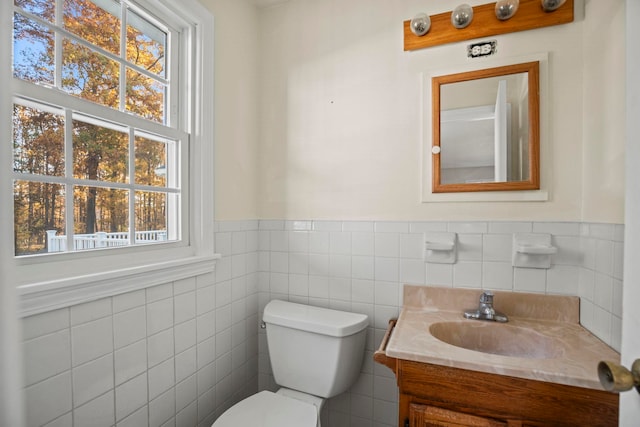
(486,133)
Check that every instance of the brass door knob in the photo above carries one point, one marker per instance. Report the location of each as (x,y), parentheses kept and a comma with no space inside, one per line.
(617,378)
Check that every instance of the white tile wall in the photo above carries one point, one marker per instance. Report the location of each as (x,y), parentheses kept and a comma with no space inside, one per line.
(600,280)
(181,353)
(164,356)
(361,266)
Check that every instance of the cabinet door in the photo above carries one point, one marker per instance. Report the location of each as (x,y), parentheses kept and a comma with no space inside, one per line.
(431,416)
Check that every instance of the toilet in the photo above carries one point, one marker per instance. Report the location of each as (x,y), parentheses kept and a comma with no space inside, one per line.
(316,353)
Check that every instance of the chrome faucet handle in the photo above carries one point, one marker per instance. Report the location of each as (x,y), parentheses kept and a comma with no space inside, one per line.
(486,298)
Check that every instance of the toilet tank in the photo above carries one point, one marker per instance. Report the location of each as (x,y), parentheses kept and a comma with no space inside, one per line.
(314,350)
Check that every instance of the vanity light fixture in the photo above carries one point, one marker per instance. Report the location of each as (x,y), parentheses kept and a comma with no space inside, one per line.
(461,16)
(505,9)
(420,24)
(483,20)
(551,5)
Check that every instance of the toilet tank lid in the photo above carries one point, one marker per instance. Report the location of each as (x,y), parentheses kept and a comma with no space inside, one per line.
(314,319)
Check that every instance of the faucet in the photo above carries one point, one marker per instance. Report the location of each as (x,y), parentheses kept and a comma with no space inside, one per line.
(485,310)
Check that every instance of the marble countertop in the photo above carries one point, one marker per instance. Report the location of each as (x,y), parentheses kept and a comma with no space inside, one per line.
(572,352)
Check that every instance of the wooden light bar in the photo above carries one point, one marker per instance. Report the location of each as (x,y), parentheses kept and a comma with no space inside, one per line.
(529,16)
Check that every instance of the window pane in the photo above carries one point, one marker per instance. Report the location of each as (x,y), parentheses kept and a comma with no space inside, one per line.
(99,153)
(89,75)
(99,25)
(38,211)
(146,44)
(101,217)
(145,96)
(38,141)
(32,51)
(44,9)
(151,162)
(151,216)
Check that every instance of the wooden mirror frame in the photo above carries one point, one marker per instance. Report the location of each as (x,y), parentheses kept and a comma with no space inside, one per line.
(533,183)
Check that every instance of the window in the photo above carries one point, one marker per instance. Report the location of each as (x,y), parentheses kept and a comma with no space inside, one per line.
(85,176)
(111,154)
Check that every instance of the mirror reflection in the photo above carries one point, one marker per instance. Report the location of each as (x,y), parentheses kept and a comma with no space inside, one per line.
(486,135)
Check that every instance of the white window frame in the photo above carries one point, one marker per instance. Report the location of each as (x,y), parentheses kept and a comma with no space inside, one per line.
(50,282)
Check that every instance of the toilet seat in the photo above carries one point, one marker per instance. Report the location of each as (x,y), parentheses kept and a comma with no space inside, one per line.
(267,409)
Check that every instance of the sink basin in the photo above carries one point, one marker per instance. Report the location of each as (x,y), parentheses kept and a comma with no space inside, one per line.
(497,338)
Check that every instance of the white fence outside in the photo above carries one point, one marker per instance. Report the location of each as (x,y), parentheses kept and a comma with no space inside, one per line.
(58,243)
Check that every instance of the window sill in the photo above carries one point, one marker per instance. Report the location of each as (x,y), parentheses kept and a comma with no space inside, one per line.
(51,295)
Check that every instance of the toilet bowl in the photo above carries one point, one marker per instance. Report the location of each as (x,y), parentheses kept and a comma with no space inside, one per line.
(268,409)
(316,353)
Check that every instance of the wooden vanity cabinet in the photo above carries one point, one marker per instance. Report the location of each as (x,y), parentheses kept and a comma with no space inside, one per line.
(438,396)
(432,416)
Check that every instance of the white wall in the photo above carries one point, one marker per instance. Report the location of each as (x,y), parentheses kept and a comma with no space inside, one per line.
(236,108)
(318,112)
(340,115)
(604,110)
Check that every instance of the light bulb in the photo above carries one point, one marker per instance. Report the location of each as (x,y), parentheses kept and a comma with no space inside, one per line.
(420,24)
(551,5)
(461,16)
(505,9)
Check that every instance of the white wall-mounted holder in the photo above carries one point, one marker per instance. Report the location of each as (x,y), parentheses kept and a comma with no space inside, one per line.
(532,250)
(440,247)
